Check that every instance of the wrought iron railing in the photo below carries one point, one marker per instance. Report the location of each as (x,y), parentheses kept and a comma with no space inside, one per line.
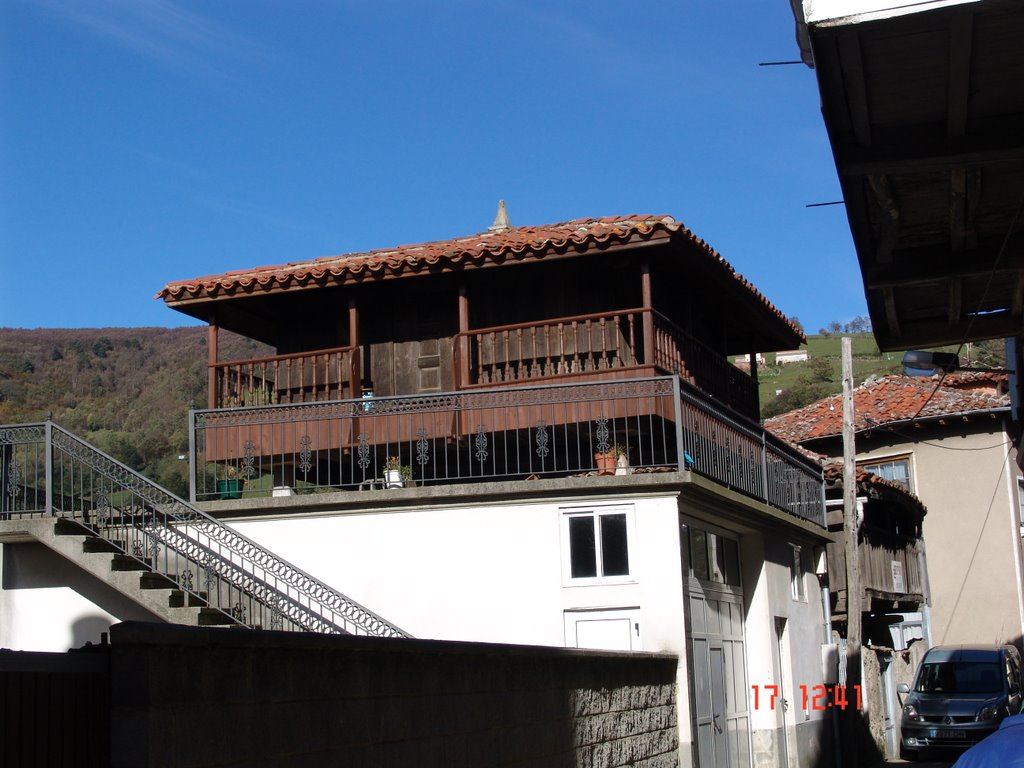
(46,471)
(625,426)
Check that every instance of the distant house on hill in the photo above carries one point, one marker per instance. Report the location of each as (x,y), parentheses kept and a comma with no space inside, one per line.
(949,442)
(791,356)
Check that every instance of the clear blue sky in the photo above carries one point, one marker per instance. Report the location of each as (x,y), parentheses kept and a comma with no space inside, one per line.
(144,141)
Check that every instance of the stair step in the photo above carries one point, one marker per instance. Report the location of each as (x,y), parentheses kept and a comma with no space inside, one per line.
(98,544)
(177,599)
(211,617)
(126,563)
(150,580)
(67,527)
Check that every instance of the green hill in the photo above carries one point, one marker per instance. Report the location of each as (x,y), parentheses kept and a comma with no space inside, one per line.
(127,390)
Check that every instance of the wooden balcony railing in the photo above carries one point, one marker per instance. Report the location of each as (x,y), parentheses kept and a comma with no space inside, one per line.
(550,348)
(589,344)
(676,351)
(327,374)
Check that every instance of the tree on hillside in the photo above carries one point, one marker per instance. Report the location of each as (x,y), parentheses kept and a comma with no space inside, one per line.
(816,383)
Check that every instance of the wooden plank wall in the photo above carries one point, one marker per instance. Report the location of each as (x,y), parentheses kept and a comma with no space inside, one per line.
(55,709)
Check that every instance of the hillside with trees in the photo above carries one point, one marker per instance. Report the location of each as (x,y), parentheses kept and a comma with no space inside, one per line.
(126,390)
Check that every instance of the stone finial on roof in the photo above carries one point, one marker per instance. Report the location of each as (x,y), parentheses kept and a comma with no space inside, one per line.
(501,222)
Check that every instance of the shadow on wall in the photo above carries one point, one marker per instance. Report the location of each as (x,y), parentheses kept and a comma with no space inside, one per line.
(88,630)
(36,566)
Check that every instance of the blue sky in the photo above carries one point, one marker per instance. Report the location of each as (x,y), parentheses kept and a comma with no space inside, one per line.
(144,141)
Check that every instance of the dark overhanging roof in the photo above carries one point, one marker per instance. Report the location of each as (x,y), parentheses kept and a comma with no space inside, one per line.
(925,114)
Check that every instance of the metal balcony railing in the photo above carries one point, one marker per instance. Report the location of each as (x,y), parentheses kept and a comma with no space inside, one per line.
(46,471)
(513,432)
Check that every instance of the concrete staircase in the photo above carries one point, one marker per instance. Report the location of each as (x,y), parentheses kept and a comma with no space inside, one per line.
(177,562)
(135,578)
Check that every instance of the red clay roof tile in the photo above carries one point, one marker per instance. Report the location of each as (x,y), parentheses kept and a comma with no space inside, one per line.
(515,243)
(886,401)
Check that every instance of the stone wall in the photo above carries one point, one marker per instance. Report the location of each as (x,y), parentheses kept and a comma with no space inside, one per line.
(184,697)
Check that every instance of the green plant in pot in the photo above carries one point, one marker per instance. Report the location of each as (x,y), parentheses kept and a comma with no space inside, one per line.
(229,485)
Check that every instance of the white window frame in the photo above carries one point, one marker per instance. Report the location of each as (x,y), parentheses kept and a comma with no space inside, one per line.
(797,574)
(596,511)
(869,464)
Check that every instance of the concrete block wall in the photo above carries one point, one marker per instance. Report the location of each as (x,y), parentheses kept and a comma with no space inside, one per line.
(189,697)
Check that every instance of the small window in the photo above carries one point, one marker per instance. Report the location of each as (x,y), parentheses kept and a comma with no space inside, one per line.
(713,557)
(897,470)
(796,573)
(598,543)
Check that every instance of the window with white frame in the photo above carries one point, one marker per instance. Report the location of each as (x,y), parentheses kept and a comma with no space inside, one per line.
(796,573)
(596,542)
(896,469)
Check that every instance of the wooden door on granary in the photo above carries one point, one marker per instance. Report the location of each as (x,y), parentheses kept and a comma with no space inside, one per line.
(409,356)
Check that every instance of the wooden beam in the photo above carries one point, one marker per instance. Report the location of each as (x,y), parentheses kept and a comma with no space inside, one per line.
(648,320)
(888,218)
(852,67)
(934,264)
(892,319)
(927,159)
(212,340)
(463,368)
(961,36)
(957,211)
(932,333)
(956,300)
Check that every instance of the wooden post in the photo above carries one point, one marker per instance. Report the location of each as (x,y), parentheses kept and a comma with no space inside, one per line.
(212,338)
(850,531)
(648,320)
(462,374)
(355,377)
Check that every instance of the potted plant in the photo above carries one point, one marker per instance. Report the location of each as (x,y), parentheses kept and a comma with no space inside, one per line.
(230,485)
(396,474)
(609,461)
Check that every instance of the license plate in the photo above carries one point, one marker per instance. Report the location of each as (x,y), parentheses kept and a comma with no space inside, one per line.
(946,733)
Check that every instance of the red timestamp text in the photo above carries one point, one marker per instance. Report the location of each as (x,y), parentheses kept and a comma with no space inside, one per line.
(814,697)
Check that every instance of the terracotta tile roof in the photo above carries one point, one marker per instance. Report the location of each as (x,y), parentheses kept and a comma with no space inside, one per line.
(516,243)
(868,483)
(886,401)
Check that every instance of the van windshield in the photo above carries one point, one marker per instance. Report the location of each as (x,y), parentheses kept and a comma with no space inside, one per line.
(959,677)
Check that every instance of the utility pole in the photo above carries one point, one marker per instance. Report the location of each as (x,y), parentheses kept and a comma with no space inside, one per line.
(850,531)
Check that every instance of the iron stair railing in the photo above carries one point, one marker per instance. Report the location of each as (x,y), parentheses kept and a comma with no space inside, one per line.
(45,471)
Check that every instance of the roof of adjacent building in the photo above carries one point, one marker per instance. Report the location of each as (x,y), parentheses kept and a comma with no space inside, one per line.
(894,399)
(872,485)
(497,245)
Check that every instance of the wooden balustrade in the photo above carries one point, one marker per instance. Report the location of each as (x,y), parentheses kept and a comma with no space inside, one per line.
(551,348)
(588,344)
(328,374)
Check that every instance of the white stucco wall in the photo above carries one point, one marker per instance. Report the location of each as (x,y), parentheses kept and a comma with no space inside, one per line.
(48,604)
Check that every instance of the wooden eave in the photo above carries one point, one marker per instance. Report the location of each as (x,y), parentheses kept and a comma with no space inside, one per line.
(925,113)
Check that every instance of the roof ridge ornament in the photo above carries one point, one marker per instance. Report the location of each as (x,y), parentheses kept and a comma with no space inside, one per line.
(501,222)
